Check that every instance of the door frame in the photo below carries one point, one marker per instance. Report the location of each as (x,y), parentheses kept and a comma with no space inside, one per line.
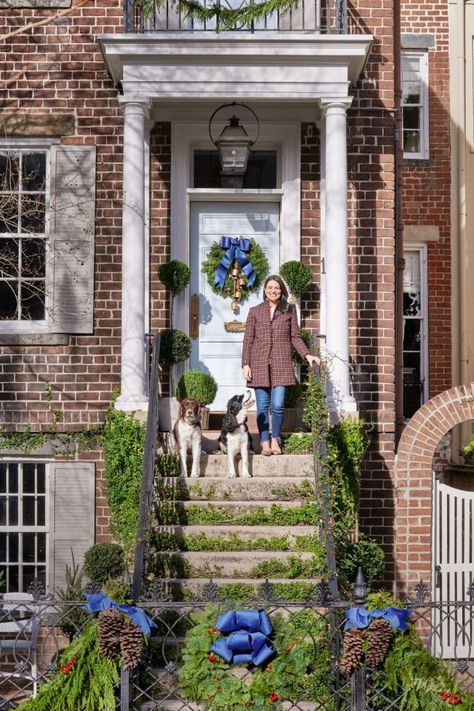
(185,136)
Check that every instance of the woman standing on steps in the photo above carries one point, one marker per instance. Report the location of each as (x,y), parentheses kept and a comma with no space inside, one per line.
(271,330)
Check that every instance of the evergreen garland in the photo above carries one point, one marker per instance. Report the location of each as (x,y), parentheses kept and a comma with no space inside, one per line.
(256,257)
(226,17)
(85,681)
(301,668)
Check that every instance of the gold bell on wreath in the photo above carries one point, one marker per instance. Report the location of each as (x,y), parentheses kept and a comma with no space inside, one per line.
(235,271)
(237,294)
(242,281)
(234,305)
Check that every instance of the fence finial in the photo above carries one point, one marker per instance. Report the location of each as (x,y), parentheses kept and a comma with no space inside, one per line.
(360,588)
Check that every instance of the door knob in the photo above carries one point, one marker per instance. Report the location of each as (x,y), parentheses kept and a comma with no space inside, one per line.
(194,317)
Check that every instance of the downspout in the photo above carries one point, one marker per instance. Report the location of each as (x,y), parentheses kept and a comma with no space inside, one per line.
(399,262)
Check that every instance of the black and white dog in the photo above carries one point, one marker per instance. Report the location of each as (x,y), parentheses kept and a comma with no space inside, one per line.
(234,437)
(187,434)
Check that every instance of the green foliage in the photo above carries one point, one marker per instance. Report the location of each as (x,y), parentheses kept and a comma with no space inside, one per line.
(104,560)
(175,346)
(365,553)
(307,340)
(256,257)
(64,443)
(303,490)
(167,465)
(163,540)
(306,513)
(298,276)
(90,685)
(468,451)
(316,410)
(72,617)
(123,441)
(292,567)
(175,275)
(298,443)
(412,673)
(194,383)
(300,669)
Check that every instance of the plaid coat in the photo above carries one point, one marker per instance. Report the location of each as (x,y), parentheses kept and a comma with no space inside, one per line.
(267,346)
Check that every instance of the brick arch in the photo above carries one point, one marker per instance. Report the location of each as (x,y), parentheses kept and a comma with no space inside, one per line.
(413,481)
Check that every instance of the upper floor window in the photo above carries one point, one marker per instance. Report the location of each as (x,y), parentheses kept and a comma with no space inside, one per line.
(23,182)
(415,336)
(415,104)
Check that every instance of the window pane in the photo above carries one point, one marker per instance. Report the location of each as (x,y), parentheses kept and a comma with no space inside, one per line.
(9,253)
(8,171)
(32,300)
(34,171)
(8,300)
(3,547)
(33,258)
(28,478)
(3,477)
(13,547)
(40,478)
(411,118)
(29,547)
(13,511)
(13,477)
(261,170)
(33,213)
(411,336)
(9,213)
(3,510)
(13,579)
(29,574)
(40,511)
(3,577)
(29,511)
(41,545)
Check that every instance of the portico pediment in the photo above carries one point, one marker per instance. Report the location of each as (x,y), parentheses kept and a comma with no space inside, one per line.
(282,67)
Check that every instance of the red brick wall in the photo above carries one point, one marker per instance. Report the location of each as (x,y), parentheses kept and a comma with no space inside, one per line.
(426,186)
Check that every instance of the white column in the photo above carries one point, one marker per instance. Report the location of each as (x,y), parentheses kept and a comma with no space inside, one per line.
(132,388)
(336,267)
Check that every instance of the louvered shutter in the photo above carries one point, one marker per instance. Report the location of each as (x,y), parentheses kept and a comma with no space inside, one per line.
(72,238)
(71,516)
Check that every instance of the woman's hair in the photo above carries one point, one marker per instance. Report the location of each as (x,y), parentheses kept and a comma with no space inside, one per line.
(283,304)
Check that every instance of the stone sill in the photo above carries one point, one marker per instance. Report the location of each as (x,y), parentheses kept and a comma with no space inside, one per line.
(37,4)
(34,339)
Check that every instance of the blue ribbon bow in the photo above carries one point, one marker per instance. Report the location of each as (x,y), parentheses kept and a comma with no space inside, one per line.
(248,642)
(359,618)
(236,247)
(96,602)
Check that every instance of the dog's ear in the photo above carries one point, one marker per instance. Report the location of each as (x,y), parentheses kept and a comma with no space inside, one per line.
(181,409)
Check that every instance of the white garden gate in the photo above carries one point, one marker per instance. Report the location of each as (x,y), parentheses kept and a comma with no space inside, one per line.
(453,569)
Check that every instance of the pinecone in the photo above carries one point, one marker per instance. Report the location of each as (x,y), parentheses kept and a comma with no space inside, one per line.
(378,641)
(131,642)
(353,650)
(110,625)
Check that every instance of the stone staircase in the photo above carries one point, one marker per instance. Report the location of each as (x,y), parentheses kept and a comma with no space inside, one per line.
(239,532)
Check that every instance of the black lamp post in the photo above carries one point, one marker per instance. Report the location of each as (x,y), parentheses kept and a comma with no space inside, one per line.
(234,146)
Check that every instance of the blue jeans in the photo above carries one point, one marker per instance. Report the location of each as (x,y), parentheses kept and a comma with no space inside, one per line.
(266,398)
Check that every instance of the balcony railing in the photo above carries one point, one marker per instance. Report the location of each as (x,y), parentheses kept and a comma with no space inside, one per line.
(309,16)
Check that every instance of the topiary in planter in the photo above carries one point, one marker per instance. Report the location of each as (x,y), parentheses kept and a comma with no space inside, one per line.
(174,275)
(298,277)
(103,561)
(175,346)
(201,386)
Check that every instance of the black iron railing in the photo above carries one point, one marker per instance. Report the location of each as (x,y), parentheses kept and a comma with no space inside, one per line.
(309,16)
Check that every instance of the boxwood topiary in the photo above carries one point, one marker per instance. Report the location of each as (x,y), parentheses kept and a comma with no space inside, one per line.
(104,560)
(201,386)
(297,275)
(175,346)
(175,275)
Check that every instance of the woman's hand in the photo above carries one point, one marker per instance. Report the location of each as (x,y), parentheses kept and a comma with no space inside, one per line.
(313,360)
(246,373)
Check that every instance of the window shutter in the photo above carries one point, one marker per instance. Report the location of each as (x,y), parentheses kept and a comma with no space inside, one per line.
(72,238)
(71,516)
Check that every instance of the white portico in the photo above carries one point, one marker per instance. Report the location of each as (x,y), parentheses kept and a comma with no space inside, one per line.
(287,78)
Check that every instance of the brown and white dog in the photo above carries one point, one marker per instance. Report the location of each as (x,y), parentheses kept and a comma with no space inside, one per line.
(187,434)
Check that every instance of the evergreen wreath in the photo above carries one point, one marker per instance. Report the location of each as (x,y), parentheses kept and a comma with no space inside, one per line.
(226,17)
(301,668)
(256,257)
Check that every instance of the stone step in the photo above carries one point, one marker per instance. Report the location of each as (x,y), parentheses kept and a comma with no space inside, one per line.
(210,442)
(224,488)
(223,513)
(286,465)
(244,532)
(196,585)
(227,563)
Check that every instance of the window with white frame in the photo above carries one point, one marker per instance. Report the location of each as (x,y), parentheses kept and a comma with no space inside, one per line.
(23,524)
(415,105)
(23,182)
(415,327)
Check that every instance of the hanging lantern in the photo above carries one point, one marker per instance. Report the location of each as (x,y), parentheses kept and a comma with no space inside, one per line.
(234,146)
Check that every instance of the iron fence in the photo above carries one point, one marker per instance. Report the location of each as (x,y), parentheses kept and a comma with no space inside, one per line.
(36,629)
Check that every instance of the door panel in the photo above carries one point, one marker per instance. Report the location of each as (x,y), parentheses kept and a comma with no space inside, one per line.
(216,350)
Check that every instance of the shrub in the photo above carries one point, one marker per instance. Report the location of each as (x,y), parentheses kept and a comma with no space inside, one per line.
(468,452)
(366,554)
(298,443)
(201,386)
(174,275)
(103,561)
(175,346)
(298,276)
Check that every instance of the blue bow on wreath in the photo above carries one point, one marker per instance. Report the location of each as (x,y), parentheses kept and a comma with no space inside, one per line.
(248,643)
(359,618)
(236,248)
(96,602)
